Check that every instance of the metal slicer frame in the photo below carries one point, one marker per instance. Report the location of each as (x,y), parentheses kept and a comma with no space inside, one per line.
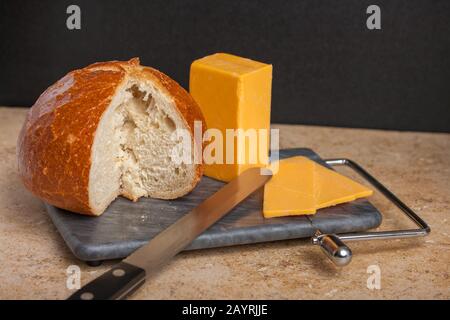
(333,245)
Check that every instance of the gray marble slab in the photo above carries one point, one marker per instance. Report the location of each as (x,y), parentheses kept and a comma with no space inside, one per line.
(125,225)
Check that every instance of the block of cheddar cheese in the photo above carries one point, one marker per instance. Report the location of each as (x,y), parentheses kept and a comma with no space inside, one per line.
(234,95)
(302,186)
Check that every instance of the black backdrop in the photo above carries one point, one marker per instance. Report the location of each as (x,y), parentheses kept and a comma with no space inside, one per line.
(329,69)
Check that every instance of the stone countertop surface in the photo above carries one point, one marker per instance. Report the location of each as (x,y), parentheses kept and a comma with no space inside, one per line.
(415,166)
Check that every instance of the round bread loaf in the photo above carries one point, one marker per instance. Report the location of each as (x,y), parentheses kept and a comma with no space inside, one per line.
(108,130)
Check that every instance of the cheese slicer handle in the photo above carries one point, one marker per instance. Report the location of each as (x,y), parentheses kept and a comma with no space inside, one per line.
(334,248)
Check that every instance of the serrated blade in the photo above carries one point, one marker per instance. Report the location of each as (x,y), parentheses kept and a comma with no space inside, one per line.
(175,238)
(125,277)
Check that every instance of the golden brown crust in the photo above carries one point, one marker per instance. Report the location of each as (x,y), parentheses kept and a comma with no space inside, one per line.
(54,145)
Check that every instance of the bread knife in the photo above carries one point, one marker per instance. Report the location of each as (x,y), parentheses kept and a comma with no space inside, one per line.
(128,275)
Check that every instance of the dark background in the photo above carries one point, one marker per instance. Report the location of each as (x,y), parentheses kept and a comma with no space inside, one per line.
(329,69)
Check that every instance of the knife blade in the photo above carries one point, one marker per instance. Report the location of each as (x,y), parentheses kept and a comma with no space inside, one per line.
(125,277)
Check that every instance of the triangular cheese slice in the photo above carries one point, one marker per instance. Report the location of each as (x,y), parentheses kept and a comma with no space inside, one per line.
(285,202)
(301,186)
(332,188)
(291,190)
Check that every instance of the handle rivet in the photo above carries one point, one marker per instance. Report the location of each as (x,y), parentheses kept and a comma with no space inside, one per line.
(87,296)
(118,272)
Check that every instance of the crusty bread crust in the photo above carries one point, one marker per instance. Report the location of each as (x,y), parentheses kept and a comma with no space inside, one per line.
(55,144)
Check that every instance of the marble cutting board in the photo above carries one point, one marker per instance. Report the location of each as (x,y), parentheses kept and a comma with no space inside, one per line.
(125,225)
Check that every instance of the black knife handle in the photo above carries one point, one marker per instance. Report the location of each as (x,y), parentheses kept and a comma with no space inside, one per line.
(117,283)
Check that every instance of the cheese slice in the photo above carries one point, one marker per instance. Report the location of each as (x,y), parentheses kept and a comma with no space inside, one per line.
(291,189)
(332,188)
(234,93)
(302,186)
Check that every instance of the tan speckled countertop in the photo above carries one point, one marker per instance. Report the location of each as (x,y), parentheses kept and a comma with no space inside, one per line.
(416,166)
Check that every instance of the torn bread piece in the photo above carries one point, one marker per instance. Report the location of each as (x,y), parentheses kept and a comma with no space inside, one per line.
(108,130)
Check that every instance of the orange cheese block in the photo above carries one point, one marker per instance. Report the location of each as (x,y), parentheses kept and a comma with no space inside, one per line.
(234,93)
(301,186)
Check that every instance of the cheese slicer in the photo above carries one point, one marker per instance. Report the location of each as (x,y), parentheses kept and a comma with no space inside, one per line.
(333,244)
